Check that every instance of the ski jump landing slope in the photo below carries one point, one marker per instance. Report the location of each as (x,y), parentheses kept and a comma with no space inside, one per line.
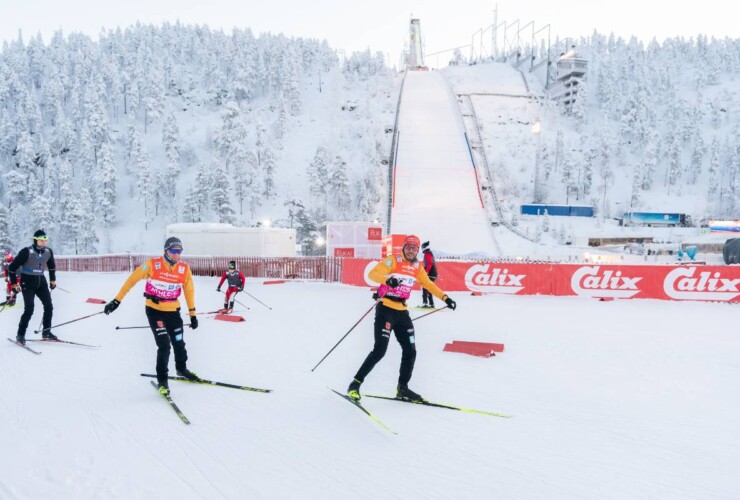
(435,191)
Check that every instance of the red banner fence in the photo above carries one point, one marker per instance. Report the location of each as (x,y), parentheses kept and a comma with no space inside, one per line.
(666,282)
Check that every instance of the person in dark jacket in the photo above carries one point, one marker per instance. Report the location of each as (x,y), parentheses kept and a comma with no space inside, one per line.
(32,262)
(430,266)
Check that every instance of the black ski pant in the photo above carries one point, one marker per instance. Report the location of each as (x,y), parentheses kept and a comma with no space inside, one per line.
(32,287)
(387,320)
(168,330)
(427,296)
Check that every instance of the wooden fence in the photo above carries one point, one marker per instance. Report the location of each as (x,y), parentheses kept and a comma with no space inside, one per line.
(310,268)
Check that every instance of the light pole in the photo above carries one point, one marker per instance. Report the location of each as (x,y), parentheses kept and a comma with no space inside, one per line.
(537,130)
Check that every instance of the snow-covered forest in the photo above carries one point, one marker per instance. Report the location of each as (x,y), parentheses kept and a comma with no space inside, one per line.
(104,142)
(658,129)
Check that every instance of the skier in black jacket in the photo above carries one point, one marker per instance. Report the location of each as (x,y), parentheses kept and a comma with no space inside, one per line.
(32,261)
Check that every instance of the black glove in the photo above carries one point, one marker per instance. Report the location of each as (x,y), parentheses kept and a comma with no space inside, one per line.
(241,288)
(376,296)
(52,284)
(392,282)
(218,289)
(450,303)
(111,306)
(193,322)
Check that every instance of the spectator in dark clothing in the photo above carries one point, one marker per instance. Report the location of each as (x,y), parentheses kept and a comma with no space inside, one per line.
(430,266)
(33,261)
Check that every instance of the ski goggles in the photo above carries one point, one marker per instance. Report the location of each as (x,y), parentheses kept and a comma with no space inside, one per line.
(175,250)
(41,238)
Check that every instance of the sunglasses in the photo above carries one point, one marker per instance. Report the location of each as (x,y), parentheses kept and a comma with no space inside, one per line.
(175,250)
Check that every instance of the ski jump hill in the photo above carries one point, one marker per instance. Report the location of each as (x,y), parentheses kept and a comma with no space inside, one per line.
(435,189)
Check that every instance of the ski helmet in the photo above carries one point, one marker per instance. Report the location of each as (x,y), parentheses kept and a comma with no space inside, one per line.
(173,243)
(425,245)
(232,265)
(40,235)
(412,239)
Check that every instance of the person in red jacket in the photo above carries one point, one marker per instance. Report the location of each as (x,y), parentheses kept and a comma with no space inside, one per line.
(9,293)
(430,266)
(236,282)
(397,275)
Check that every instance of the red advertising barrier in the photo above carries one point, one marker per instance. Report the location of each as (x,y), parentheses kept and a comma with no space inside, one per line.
(606,282)
(667,282)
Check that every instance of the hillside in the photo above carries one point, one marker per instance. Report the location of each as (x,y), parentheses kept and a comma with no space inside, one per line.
(152,125)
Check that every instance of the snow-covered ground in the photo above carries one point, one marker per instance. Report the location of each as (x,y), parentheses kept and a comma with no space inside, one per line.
(623,399)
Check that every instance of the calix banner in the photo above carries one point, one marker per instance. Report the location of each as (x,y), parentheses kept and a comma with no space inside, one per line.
(666,282)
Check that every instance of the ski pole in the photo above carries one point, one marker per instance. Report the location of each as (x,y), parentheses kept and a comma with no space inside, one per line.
(345,335)
(431,312)
(68,322)
(62,289)
(240,303)
(258,300)
(131,327)
(234,299)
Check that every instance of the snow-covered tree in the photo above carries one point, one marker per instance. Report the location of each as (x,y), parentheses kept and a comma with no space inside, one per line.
(106,178)
(318,174)
(339,188)
(171,141)
(220,193)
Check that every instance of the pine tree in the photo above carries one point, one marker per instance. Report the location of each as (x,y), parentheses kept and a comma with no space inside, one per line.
(318,174)
(674,163)
(5,239)
(190,209)
(42,211)
(171,142)
(232,137)
(25,155)
(16,185)
(714,170)
(652,149)
(144,184)
(697,156)
(637,179)
(83,221)
(252,183)
(269,162)
(220,193)
(339,188)
(105,181)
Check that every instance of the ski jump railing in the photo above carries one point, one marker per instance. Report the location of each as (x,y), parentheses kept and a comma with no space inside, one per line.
(482,165)
(393,155)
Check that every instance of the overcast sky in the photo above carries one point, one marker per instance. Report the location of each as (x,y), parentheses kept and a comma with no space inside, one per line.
(381,25)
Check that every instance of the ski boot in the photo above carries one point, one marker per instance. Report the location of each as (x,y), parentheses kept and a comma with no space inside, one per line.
(231,306)
(163,387)
(403,392)
(353,390)
(21,338)
(47,335)
(185,373)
